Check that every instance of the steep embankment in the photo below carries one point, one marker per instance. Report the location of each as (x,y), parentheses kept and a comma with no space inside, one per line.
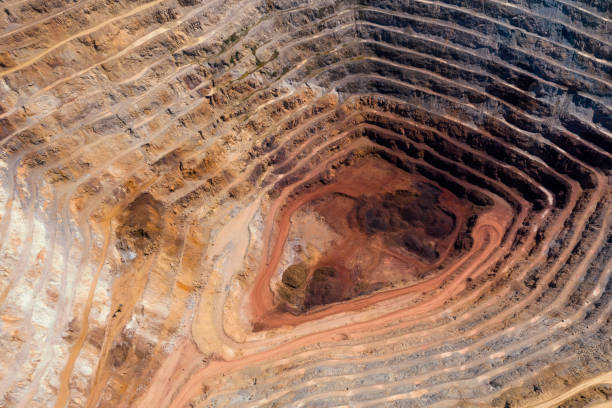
(284,203)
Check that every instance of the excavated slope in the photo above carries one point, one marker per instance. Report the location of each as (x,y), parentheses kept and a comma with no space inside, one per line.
(286,203)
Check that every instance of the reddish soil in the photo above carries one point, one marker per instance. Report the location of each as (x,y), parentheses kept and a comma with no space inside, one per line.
(384,216)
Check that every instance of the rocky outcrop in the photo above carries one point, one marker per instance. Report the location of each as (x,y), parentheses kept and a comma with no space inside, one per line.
(288,203)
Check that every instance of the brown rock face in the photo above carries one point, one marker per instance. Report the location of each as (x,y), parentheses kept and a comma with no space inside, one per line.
(139,229)
(284,203)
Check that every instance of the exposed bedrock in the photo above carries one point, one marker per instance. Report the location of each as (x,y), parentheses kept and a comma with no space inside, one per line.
(283,203)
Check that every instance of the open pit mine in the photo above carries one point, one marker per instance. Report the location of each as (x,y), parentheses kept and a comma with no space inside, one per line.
(290,203)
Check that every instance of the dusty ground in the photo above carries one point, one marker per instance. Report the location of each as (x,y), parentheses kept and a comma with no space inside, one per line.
(282,203)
